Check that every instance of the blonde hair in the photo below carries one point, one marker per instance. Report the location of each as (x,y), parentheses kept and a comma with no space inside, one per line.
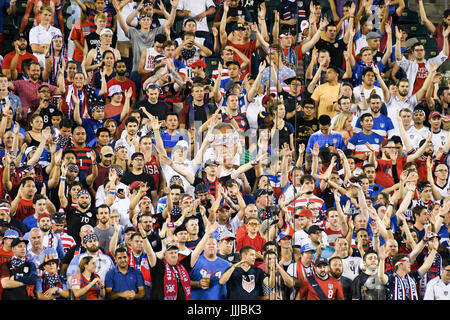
(342,117)
(46,8)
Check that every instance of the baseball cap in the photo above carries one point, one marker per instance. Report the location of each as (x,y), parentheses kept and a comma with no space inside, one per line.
(230,85)
(283,235)
(176,178)
(128,228)
(373,35)
(199,63)
(289,80)
(201,188)
(137,154)
(29,149)
(434,114)
(171,246)
(20,35)
(313,229)
(11,233)
(106,150)
(224,206)
(180,228)
(232,62)
(43,215)
(304,213)
(18,240)
(226,235)
(181,144)
(135,185)
(209,162)
(266,98)
(260,192)
(114,89)
(237,26)
(433,235)
(308,247)
(321,260)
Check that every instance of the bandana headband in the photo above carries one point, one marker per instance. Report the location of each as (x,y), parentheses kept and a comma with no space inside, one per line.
(88,237)
(83,191)
(405,259)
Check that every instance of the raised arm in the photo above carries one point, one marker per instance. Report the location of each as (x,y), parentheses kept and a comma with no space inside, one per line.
(423,16)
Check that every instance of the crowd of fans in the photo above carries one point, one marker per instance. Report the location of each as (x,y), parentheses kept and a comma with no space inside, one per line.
(214,150)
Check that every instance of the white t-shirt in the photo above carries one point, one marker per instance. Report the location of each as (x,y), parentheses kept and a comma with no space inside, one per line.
(196,7)
(189,166)
(40,35)
(439,139)
(125,12)
(367,92)
(394,105)
(437,290)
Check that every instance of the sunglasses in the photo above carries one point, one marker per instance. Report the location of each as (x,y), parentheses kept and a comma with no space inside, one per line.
(253,224)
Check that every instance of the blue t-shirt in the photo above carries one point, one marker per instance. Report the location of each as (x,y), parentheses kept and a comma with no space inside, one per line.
(91,126)
(214,269)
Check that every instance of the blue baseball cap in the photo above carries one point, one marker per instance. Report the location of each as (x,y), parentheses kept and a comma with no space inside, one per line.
(308,247)
(11,233)
(283,235)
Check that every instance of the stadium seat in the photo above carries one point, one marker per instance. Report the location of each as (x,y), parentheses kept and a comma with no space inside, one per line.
(409,17)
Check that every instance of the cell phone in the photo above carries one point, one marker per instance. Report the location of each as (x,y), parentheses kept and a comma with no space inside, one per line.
(120,190)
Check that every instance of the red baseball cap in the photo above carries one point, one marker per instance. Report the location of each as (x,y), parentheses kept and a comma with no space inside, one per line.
(434,114)
(199,63)
(304,213)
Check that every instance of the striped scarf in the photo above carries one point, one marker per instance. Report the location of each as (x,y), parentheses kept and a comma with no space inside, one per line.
(401,291)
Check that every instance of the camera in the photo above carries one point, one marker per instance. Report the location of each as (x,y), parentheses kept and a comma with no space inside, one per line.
(273,210)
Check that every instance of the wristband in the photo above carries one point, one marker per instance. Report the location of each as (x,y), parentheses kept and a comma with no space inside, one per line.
(254,162)
(5,115)
(62,179)
(113,192)
(443,217)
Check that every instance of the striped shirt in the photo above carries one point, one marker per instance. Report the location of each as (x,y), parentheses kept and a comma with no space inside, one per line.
(67,241)
(357,143)
(84,161)
(241,120)
(382,125)
(302,201)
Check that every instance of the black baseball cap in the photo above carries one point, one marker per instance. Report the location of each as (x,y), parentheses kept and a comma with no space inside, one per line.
(321,260)
(20,35)
(314,228)
(201,188)
(137,154)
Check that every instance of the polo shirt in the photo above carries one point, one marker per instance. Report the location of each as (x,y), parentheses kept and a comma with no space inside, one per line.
(40,35)
(120,282)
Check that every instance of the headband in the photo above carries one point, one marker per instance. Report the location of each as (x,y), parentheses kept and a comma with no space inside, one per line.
(73,168)
(405,259)
(83,191)
(143,199)
(88,237)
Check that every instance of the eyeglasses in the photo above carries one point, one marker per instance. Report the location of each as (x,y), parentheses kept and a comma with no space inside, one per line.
(253,224)
(44,91)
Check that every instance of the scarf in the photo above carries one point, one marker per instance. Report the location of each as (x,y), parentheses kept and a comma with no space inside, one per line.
(56,63)
(50,281)
(188,53)
(192,112)
(16,262)
(172,274)
(400,292)
(433,272)
(84,109)
(290,60)
(141,263)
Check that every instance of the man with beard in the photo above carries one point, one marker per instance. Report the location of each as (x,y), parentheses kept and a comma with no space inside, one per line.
(143,203)
(12,62)
(302,268)
(81,215)
(120,79)
(104,167)
(403,99)
(367,286)
(136,173)
(162,210)
(170,277)
(336,271)
(382,125)
(76,249)
(27,90)
(103,230)
(40,206)
(181,235)
(130,139)
(321,286)
(124,281)
(206,274)
(103,261)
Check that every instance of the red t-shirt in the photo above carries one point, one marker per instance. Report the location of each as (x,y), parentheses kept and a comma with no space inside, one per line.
(5,256)
(7,60)
(152,168)
(421,75)
(24,209)
(112,110)
(124,85)
(332,288)
(247,49)
(256,243)
(384,171)
(79,31)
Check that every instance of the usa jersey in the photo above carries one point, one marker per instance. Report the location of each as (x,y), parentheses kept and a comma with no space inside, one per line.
(357,143)
(382,125)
